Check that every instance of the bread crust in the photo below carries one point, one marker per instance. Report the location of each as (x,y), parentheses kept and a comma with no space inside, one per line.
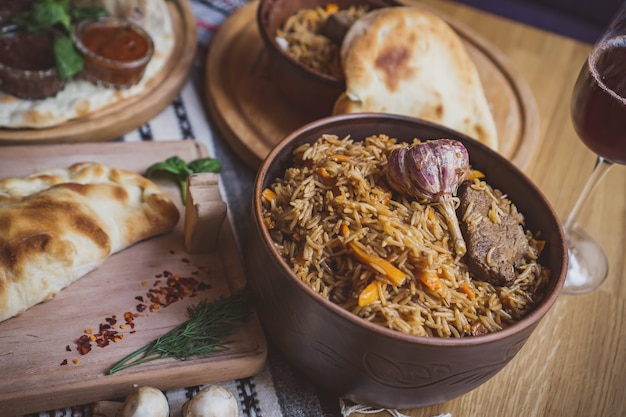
(406,60)
(60,224)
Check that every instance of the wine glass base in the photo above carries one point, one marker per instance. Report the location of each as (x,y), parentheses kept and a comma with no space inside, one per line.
(588,264)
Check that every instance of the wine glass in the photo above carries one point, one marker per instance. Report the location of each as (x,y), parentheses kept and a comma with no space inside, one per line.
(599,116)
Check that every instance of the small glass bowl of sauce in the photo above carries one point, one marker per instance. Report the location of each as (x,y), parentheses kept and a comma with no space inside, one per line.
(27,65)
(116,51)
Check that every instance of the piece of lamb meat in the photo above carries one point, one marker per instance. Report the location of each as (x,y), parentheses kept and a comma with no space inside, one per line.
(507,237)
(336,27)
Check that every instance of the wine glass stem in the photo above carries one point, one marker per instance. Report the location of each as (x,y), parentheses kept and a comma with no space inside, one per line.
(599,171)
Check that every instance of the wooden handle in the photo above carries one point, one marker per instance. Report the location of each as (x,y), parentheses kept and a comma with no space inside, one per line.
(205,212)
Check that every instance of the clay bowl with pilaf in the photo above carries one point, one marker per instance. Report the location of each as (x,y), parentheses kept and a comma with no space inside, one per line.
(361,360)
(311,89)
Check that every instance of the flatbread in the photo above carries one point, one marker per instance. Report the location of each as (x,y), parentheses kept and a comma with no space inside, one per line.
(408,61)
(60,224)
(81,98)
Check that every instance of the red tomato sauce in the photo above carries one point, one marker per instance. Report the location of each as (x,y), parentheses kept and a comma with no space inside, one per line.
(116,43)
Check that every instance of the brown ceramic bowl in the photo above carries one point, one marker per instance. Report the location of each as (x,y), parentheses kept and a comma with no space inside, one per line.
(310,90)
(364,362)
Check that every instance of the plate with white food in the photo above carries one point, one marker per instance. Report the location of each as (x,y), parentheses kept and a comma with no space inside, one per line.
(86,110)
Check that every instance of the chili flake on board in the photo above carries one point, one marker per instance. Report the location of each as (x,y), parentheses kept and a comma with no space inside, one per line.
(161,295)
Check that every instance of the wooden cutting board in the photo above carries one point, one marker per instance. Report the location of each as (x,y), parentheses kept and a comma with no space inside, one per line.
(252,115)
(33,346)
(126,115)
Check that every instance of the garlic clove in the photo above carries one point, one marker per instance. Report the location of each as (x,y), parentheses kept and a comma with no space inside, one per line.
(212,401)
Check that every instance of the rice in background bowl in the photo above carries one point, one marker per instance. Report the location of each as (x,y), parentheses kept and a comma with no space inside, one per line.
(308,89)
(365,362)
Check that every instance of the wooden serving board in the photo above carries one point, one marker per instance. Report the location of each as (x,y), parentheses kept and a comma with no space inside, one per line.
(117,119)
(33,345)
(249,111)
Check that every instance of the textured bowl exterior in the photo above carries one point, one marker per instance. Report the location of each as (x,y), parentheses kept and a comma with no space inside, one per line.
(310,90)
(364,362)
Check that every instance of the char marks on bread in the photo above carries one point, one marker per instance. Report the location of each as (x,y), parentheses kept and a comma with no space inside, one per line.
(58,225)
(406,60)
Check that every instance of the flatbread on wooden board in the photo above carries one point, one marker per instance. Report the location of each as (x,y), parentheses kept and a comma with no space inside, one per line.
(80,97)
(406,60)
(58,225)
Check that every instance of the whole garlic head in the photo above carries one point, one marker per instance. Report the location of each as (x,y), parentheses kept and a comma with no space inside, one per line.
(145,402)
(212,401)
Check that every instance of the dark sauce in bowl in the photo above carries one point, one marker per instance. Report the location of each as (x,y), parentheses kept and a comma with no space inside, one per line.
(27,65)
(26,51)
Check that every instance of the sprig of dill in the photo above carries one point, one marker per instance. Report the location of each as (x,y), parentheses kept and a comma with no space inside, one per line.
(201,335)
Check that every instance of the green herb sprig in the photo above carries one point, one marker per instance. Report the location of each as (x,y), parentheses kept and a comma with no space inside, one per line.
(203,334)
(46,14)
(181,170)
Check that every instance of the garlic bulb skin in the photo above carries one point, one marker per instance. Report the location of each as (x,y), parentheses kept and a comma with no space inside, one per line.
(212,401)
(431,170)
(145,402)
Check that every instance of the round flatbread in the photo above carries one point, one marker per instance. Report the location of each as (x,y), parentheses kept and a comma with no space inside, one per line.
(408,61)
(80,97)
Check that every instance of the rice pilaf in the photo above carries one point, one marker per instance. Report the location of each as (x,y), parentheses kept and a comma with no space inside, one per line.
(334,202)
(301,39)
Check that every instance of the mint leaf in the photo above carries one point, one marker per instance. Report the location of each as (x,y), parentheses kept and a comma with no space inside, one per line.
(68,60)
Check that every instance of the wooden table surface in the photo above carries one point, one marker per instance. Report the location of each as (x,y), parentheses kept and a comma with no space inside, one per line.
(574,364)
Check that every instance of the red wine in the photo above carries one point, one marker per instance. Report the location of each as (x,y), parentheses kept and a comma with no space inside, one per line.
(599,101)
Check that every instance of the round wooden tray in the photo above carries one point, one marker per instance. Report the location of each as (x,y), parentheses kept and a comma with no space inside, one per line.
(252,116)
(113,121)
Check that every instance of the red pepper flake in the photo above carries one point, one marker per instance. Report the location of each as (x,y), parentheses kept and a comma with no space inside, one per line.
(185,261)
(130,319)
(68,348)
(64,362)
(159,296)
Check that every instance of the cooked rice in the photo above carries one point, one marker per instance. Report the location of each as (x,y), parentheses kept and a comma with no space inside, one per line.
(300,37)
(336,182)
